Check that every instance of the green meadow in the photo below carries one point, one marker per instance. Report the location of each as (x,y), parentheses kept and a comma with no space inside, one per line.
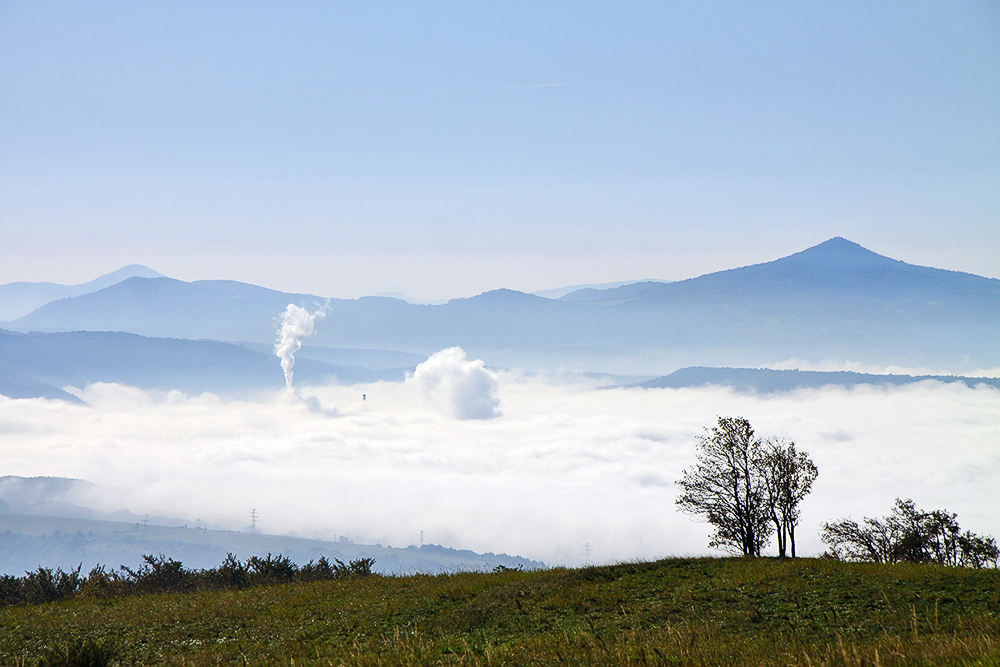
(704,611)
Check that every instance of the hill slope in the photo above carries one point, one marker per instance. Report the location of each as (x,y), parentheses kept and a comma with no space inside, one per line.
(44,523)
(30,541)
(15,385)
(672,612)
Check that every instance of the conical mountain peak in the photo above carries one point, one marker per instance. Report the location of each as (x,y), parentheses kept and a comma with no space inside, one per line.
(838,252)
(831,262)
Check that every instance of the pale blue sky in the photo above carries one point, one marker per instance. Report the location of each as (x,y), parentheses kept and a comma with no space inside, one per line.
(347,148)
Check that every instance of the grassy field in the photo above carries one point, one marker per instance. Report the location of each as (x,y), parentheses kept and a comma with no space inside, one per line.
(671,612)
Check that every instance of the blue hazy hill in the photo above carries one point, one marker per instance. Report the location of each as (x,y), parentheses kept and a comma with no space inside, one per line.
(216,309)
(15,385)
(834,300)
(234,311)
(36,364)
(766,380)
(20,298)
(559,292)
(44,521)
(838,269)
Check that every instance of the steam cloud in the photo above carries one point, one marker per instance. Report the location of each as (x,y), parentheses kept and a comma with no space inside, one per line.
(296,323)
(566,463)
(463,388)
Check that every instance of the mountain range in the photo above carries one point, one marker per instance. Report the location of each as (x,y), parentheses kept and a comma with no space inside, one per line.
(19,299)
(836,301)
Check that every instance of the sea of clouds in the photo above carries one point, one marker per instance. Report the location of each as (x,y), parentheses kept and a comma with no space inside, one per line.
(500,461)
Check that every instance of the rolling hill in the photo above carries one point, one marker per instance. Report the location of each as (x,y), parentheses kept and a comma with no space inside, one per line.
(44,523)
(676,611)
(36,364)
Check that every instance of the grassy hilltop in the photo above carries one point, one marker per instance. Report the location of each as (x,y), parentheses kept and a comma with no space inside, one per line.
(670,612)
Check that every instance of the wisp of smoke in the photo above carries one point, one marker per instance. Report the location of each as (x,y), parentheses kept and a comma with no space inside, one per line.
(463,388)
(296,323)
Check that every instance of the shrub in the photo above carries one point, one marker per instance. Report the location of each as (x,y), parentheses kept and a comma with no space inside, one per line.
(271,569)
(44,585)
(231,574)
(102,583)
(158,574)
(361,567)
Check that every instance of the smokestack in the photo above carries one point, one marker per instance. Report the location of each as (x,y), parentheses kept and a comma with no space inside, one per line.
(296,323)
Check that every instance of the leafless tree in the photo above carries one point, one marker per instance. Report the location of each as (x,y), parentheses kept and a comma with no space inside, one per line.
(910,535)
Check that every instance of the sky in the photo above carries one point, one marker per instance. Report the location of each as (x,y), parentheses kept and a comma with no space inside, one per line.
(444,149)
(547,467)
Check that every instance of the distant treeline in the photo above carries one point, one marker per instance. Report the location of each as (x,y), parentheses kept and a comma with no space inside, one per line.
(159,574)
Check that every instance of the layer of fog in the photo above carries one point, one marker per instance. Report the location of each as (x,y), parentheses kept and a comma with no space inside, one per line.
(560,463)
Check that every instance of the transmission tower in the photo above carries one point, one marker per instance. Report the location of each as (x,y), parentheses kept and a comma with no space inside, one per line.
(586,552)
(253,520)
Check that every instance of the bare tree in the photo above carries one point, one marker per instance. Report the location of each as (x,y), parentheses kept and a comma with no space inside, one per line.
(910,535)
(725,487)
(872,540)
(787,476)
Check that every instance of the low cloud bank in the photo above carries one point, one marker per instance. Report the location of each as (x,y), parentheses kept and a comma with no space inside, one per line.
(462,388)
(566,463)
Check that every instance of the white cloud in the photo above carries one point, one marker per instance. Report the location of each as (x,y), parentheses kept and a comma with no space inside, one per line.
(565,464)
(463,388)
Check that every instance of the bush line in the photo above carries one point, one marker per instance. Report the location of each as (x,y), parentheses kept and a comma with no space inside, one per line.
(159,574)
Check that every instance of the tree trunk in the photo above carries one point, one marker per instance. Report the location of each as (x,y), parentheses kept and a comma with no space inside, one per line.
(780,534)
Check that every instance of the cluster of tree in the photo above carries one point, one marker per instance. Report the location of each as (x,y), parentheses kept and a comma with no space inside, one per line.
(910,535)
(747,488)
(159,574)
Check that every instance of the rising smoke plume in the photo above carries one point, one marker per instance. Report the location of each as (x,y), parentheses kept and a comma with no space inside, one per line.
(296,323)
